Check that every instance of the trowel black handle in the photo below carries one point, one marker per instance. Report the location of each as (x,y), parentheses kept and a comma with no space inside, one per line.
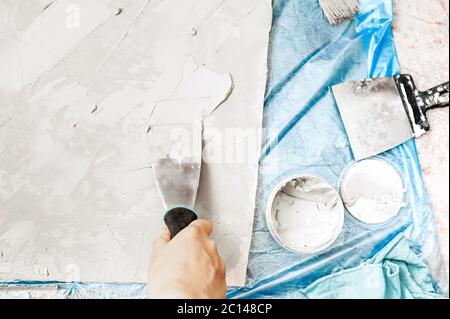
(178,219)
(435,97)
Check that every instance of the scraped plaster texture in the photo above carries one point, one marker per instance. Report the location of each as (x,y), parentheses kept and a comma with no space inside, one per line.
(83,85)
(421,30)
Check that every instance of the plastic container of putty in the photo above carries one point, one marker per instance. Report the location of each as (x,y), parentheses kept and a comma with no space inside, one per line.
(305,214)
(373,191)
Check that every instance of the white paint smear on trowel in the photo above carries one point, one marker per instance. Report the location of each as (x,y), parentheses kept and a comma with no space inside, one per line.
(373,191)
(306,215)
(56,33)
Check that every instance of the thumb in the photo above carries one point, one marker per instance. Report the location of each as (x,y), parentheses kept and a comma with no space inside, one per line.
(161,242)
(204,225)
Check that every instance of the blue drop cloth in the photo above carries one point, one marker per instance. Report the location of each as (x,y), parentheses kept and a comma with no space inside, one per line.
(305,135)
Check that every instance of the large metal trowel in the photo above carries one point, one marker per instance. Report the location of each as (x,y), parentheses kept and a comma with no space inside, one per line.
(380,114)
(177,151)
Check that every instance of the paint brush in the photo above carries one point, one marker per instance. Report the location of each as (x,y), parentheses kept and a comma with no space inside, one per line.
(177,167)
(338,11)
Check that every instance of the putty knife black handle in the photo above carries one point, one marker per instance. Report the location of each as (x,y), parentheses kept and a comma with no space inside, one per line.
(417,103)
(178,219)
(435,97)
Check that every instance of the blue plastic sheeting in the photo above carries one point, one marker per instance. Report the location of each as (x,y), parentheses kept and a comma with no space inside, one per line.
(305,134)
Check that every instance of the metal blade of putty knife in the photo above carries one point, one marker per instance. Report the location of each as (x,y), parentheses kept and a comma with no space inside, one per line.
(177,151)
(380,114)
(373,115)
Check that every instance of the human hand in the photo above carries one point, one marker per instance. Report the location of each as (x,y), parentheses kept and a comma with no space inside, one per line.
(188,266)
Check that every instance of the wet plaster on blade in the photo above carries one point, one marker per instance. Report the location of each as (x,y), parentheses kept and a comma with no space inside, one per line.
(307,215)
(373,191)
(74,158)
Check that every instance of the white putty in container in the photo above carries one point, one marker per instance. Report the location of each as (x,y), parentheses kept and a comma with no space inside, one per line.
(305,214)
(373,191)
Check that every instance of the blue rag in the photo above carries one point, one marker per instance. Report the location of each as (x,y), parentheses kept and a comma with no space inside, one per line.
(394,273)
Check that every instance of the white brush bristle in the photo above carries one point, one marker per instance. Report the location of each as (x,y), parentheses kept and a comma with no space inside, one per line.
(338,11)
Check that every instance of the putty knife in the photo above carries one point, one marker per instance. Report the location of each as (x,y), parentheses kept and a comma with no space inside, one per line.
(380,114)
(177,168)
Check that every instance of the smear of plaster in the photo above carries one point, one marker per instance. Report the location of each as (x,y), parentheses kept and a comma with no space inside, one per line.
(13,240)
(53,36)
(307,215)
(10,79)
(373,191)
(74,159)
(207,17)
(123,37)
(188,94)
(117,105)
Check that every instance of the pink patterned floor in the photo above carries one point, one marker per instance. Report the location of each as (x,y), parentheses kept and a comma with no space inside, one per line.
(421,29)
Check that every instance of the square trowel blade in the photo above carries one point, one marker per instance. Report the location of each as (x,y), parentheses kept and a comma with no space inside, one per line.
(374,116)
(177,158)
